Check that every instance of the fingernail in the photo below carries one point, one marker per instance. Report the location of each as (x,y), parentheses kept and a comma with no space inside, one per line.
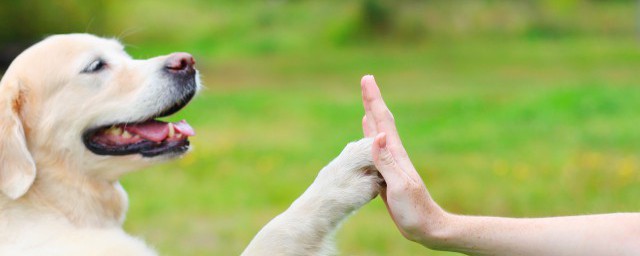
(363,81)
(382,141)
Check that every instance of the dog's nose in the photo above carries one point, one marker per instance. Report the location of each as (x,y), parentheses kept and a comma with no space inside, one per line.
(180,61)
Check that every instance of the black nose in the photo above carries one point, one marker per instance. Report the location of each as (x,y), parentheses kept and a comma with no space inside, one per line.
(180,62)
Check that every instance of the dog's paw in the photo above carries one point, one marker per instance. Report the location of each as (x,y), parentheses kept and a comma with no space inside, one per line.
(351,180)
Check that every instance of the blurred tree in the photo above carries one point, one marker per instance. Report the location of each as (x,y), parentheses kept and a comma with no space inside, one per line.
(376,17)
(370,19)
(27,21)
(637,27)
(545,17)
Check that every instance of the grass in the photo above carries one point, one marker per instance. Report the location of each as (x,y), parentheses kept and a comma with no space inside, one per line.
(515,127)
(506,108)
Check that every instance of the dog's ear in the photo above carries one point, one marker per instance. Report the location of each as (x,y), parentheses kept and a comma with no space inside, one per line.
(17,168)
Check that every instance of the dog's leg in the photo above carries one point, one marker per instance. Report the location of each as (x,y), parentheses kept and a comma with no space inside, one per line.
(306,228)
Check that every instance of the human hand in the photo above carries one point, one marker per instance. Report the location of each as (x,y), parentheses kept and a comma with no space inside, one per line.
(420,219)
(411,207)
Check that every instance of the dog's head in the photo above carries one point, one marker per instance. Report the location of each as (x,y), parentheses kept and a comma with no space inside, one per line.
(79,102)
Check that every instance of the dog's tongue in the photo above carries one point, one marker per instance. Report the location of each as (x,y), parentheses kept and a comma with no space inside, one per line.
(158,131)
(184,128)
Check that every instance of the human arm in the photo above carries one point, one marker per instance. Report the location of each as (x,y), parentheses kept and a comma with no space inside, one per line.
(420,219)
(602,234)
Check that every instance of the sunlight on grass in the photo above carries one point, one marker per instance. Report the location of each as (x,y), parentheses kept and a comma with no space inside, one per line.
(525,135)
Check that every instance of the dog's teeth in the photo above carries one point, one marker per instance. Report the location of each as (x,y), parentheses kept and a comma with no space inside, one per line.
(172,131)
(179,135)
(115,131)
(126,135)
(136,136)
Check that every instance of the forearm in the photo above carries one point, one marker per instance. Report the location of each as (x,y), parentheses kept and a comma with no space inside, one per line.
(606,234)
(420,219)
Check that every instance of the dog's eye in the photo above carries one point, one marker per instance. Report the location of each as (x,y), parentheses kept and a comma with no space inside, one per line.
(95,66)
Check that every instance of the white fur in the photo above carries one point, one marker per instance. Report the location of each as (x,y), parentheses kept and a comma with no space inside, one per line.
(306,228)
(58,198)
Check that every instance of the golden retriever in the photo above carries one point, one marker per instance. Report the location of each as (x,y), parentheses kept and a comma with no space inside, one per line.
(77,112)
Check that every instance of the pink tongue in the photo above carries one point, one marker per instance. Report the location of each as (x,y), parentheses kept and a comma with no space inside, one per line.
(158,131)
(184,128)
(150,130)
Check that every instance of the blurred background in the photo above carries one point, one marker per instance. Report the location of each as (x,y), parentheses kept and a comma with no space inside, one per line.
(508,108)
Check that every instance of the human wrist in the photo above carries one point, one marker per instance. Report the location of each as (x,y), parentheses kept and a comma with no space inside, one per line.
(438,231)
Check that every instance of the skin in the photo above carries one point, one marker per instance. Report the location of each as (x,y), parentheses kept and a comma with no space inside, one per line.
(420,219)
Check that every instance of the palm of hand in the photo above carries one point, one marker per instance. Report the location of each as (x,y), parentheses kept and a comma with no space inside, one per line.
(405,196)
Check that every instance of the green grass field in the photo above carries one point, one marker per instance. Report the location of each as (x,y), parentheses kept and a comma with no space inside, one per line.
(517,127)
(507,108)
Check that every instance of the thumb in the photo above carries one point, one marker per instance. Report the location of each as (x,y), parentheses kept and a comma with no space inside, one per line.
(385,162)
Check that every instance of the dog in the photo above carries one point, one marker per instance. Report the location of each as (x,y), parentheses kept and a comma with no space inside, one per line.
(77,113)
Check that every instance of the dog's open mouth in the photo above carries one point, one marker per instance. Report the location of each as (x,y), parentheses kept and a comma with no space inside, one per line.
(149,137)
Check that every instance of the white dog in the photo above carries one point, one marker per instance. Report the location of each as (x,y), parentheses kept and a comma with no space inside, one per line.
(77,112)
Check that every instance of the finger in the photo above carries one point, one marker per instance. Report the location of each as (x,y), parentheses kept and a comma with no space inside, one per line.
(370,122)
(377,110)
(384,122)
(386,164)
(369,132)
(404,163)
(383,157)
(383,119)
